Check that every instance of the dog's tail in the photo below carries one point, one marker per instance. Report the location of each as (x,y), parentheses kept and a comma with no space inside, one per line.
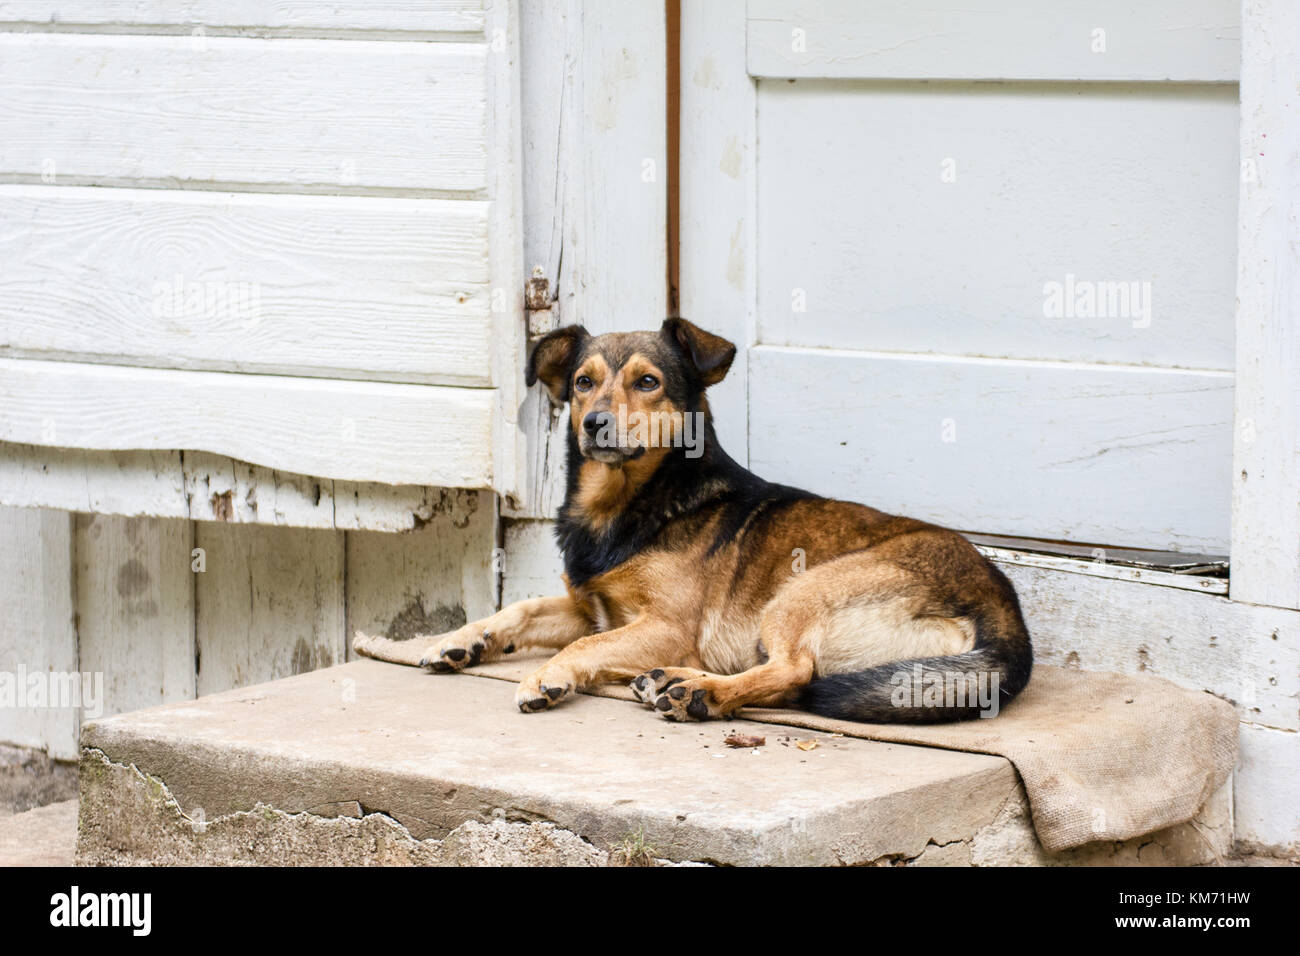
(932,690)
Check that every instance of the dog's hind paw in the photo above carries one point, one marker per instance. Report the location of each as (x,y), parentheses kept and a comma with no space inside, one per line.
(651,684)
(687,700)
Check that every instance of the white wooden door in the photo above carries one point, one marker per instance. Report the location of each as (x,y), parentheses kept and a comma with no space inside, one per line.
(983,255)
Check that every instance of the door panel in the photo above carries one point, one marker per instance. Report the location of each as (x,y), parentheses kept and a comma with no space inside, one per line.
(1097,454)
(1133,184)
(1182,40)
(1004,306)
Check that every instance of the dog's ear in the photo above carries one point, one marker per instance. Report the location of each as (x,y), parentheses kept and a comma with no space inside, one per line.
(710,354)
(551,360)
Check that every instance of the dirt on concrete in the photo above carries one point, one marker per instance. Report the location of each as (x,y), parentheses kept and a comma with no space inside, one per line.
(29,779)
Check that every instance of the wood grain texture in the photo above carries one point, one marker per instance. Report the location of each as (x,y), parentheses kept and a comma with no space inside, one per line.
(269,605)
(1183,40)
(1100,568)
(429,580)
(864,242)
(1245,654)
(390,289)
(594,187)
(223,489)
(1266,791)
(135,608)
(284,112)
(533,566)
(73,479)
(718,271)
(37,629)
(361,431)
(208,487)
(1100,454)
(509,338)
(435,16)
(1266,450)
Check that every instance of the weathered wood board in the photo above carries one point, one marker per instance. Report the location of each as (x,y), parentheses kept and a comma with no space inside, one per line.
(208,487)
(268,604)
(38,634)
(1266,452)
(358,431)
(335,286)
(1248,655)
(301,113)
(718,273)
(407,16)
(533,566)
(429,580)
(594,140)
(1181,40)
(135,604)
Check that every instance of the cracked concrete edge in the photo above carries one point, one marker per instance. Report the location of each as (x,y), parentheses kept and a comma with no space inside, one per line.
(130,818)
(1009,840)
(224,779)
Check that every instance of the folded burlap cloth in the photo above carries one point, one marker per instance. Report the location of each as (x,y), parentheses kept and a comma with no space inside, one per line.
(1102,756)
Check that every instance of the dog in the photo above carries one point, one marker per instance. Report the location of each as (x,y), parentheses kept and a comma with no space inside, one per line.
(710,589)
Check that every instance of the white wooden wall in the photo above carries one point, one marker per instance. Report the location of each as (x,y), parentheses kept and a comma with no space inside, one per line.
(286,235)
(261,308)
(166,608)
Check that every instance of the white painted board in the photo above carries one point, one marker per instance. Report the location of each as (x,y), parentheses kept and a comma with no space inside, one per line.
(302,113)
(433,16)
(1182,40)
(1266,791)
(717,268)
(353,287)
(38,632)
(427,581)
(1266,460)
(135,608)
(594,188)
(1108,455)
(1247,655)
(269,604)
(360,431)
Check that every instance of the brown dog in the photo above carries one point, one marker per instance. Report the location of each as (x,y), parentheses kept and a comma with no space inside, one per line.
(710,588)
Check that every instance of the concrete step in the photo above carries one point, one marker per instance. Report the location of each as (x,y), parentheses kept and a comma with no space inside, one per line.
(372,763)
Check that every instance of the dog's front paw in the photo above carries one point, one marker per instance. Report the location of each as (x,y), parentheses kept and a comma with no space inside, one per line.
(542,692)
(686,700)
(456,651)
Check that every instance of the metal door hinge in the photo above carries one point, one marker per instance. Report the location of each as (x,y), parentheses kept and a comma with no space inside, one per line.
(542,318)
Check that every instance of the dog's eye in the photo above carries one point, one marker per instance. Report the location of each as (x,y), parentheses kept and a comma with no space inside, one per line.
(582,383)
(647,383)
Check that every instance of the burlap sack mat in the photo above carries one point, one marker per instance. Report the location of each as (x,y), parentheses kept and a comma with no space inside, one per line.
(1102,756)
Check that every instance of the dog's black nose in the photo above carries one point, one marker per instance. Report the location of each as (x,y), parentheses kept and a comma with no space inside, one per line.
(595,421)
